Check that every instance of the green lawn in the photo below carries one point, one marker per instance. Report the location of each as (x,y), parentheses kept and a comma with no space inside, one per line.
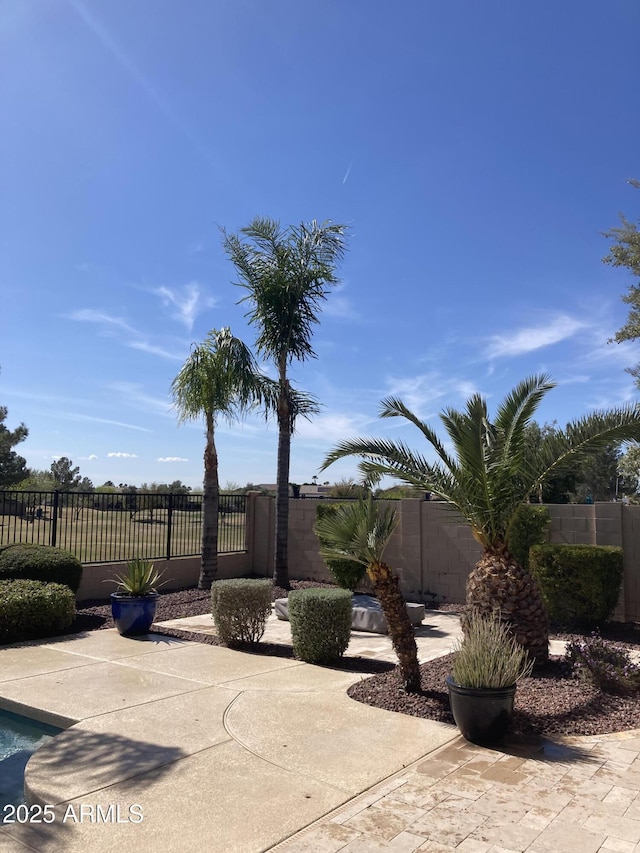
(97,536)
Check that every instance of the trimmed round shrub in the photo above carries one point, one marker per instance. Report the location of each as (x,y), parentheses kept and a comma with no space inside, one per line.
(580,584)
(30,610)
(320,623)
(348,574)
(240,607)
(41,563)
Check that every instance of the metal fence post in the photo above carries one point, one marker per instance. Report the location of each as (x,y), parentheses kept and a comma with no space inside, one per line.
(169,519)
(54,520)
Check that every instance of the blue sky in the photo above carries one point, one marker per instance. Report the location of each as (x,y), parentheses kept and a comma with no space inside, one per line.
(476,151)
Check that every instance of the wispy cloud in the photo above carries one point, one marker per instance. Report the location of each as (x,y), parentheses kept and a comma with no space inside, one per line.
(185,303)
(130,336)
(347,173)
(101,318)
(153,349)
(75,416)
(532,338)
(89,458)
(171,459)
(330,427)
(122,455)
(340,306)
(426,392)
(135,395)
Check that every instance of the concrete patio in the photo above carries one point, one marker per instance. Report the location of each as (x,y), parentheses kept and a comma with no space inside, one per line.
(227,751)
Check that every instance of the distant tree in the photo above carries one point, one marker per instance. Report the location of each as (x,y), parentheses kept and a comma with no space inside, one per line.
(596,476)
(37,481)
(593,478)
(65,476)
(219,379)
(348,488)
(556,487)
(177,487)
(287,273)
(13,468)
(629,472)
(625,252)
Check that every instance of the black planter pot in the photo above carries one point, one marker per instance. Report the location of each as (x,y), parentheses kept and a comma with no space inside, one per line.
(133,615)
(482,714)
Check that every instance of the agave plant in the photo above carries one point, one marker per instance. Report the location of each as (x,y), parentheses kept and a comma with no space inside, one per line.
(360,532)
(487,477)
(141,578)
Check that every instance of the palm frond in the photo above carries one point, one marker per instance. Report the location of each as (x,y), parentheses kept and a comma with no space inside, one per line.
(357,531)
(392,407)
(560,450)
(517,410)
(220,377)
(286,273)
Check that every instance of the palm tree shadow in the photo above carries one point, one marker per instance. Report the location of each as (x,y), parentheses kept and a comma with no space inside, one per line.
(77,761)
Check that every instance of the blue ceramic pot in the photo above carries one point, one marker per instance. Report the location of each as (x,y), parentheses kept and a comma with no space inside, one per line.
(133,615)
(482,714)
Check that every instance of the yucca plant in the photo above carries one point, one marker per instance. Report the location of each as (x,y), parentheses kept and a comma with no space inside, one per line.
(141,578)
(360,531)
(487,477)
(489,655)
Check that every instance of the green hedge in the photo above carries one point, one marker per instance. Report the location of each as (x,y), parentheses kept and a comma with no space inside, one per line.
(580,584)
(348,574)
(240,607)
(30,610)
(320,623)
(41,563)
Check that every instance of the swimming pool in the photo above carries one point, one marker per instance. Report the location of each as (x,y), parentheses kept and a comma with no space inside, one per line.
(19,739)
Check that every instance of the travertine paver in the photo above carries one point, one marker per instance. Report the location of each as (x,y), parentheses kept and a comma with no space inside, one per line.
(536,796)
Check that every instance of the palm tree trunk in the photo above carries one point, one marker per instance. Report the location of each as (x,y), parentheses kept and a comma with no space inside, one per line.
(281,566)
(210,502)
(387,589)
(499,581)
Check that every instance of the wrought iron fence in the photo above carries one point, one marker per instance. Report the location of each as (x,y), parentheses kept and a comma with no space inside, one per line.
(101,527)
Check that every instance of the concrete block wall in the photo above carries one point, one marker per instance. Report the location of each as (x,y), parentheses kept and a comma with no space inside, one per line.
(433,549)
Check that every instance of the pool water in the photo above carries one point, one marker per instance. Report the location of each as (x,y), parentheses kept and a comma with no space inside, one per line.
(19,739)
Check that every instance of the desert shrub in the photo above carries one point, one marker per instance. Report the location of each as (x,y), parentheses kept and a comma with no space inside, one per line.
(240,607)
(580,584)
(606,665)
(488,654)
(528,528)
(32,609)
(320,623)
(348,574)
(41,563)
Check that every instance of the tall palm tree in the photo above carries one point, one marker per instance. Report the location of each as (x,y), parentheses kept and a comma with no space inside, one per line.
(287,273)
(360,531)
(220,377)
(486,479)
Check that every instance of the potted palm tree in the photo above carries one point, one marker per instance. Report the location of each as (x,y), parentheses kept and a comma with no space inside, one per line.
(487,666)
(133,604)
(490,473)
(360,532)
